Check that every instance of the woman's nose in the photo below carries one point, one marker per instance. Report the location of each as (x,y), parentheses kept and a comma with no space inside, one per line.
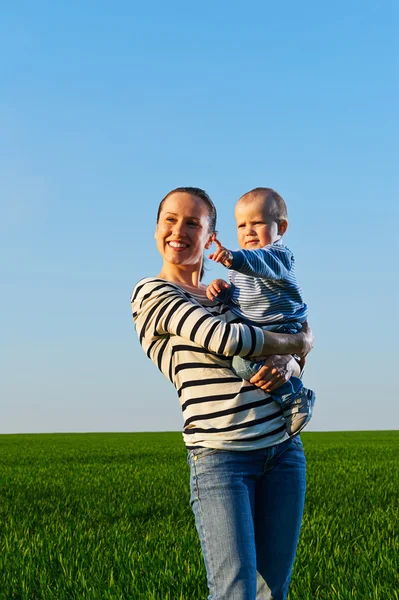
(178,228)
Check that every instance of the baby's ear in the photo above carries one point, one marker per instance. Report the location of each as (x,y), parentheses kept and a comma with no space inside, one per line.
(282,226)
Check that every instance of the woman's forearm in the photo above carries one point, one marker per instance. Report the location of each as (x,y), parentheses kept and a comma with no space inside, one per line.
(287,343)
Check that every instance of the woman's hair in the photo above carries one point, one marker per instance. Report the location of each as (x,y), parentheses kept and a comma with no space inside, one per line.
(193,191)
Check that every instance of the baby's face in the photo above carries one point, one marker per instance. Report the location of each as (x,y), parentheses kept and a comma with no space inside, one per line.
(255,226)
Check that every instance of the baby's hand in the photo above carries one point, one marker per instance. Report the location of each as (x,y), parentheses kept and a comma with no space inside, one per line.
(221,254)
(214,288)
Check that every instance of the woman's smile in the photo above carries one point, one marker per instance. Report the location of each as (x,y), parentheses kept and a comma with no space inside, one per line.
(177,245)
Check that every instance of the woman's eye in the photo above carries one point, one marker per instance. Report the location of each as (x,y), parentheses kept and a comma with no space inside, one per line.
(193,223)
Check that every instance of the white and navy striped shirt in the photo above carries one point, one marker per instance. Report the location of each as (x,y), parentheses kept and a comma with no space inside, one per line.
(192,346)
(264,286)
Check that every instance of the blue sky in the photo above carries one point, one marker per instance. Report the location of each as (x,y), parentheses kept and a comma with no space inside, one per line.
(105,108)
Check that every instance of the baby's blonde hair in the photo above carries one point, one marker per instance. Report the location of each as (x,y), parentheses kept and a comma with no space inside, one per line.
(272,200)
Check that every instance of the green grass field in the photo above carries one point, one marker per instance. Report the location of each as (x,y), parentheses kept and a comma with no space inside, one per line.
(106,516)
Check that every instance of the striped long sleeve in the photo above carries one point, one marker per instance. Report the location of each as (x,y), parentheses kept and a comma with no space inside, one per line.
(191,340)
(272,262)
(168,310)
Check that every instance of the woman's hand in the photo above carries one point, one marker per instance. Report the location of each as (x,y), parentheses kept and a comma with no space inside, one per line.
(276,370)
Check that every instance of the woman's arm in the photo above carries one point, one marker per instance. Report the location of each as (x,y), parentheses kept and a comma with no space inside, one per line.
(161,308)
(287,343)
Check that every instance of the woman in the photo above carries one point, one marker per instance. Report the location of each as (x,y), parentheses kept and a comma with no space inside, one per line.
(247,479)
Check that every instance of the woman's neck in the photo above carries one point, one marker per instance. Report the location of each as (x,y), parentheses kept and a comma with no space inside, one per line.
(187,278)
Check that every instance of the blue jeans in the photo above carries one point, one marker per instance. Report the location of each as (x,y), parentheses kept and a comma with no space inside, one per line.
(248,510)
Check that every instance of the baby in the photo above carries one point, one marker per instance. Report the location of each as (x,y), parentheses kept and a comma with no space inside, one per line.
(263,290)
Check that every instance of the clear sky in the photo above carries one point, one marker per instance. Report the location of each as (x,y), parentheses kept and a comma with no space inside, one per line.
(105,107)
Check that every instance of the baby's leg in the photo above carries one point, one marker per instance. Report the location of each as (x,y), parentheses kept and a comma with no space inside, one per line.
(244,368)
(299,412)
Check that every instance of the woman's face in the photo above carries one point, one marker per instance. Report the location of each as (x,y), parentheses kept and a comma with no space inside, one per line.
(182,230)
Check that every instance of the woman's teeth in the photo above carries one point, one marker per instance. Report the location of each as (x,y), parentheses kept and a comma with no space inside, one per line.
(177,245)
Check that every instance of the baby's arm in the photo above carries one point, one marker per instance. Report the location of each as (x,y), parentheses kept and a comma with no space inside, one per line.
(213,290)
(271,262)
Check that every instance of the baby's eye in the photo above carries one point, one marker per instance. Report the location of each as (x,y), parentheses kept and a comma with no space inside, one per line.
(241,226)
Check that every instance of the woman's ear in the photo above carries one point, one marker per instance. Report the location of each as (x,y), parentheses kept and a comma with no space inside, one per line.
(210,241)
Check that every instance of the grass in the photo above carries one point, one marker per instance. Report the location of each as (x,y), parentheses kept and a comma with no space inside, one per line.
(106,516)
